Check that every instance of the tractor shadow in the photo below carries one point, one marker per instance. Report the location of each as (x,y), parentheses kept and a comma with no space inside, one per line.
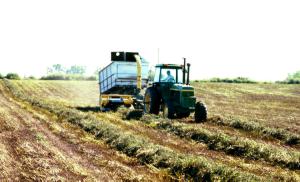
(88,109)
(128,115)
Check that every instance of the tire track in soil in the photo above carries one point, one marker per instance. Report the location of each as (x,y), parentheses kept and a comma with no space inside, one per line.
(24,158)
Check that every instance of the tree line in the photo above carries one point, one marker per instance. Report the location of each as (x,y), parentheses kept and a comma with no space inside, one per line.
(58,72)
(76,72)
(10,76)
(293,78)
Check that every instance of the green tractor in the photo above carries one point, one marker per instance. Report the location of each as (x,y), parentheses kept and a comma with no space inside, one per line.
(172,94)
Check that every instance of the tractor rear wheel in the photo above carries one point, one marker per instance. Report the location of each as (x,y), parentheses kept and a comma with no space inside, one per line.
(200,112)
(168,110)
(151,101)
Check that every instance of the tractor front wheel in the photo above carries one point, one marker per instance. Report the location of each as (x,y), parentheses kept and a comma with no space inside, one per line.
(200,112)
(151,101)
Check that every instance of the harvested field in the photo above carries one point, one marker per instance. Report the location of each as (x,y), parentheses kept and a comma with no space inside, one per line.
(252,135)
(36,146)
(273,105)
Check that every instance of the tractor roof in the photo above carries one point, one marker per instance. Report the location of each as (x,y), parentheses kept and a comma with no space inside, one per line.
(169,66)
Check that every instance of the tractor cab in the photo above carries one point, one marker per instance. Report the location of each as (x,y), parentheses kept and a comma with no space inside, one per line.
(171,92)
(168,73)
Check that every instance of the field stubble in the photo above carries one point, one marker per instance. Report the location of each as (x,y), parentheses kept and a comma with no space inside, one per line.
(37,146)
(226,97)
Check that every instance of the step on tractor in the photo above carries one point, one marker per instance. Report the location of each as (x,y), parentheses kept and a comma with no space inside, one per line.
(124,80)
(172,93)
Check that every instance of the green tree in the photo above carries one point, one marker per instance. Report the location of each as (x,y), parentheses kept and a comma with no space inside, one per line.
(31,78)
(58,68)
(76,70)
(96,72)
(293,78)
(294,75)
(49,71)
(151,75)
(13,76)
(55,69)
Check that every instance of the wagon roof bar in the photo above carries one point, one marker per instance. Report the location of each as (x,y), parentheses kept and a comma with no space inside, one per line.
(168,66)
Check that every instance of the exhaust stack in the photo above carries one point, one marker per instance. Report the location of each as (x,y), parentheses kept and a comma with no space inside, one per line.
(183,71)
(188,74)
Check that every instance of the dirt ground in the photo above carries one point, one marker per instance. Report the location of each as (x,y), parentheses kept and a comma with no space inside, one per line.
(37,146)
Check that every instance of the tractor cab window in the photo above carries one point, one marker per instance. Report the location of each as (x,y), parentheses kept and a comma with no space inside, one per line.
(171,75)
(179,75)
(157,74)
(168,75)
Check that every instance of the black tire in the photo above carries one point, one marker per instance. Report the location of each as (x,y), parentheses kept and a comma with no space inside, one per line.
(183,115)
(168,110)
(200,112)
(127,105)
(151,101)
(134,114)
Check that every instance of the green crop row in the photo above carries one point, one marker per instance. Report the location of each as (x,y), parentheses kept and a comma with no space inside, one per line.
(230,145)
(250,126)
(190,167)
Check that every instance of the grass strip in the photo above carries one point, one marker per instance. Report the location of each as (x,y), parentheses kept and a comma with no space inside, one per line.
(257,128)
(219,141)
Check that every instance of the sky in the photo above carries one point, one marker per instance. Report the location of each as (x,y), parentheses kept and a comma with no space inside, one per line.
(259,39)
